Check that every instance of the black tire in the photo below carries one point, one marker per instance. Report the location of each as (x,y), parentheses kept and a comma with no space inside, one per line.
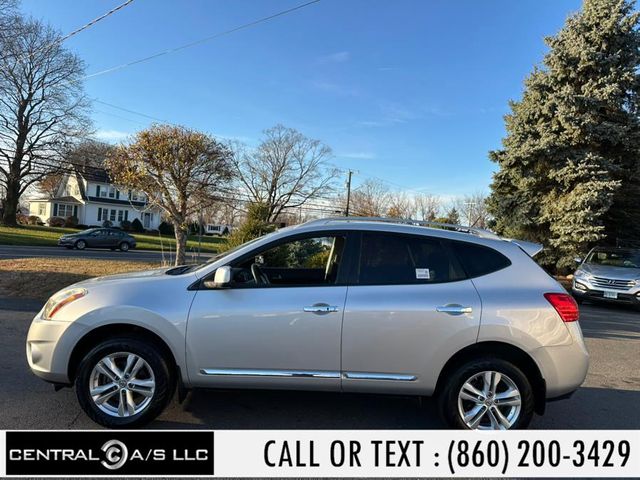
(124,247)
(448,397)
(164,381)
(80,244)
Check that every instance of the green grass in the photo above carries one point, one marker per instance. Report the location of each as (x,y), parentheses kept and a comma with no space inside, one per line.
(32,235)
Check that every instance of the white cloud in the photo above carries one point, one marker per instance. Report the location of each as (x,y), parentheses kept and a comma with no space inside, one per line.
(337,57)
(357,155)
(336,88)
(112,135)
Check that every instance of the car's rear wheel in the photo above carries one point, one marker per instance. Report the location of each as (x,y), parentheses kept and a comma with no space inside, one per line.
(487,394)
(124,382)
(124,247)
(80,245)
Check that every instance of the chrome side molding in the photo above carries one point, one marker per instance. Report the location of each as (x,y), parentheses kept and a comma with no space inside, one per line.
(398,377)
(239,372)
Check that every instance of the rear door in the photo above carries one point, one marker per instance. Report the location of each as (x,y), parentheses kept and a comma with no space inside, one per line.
(410,309)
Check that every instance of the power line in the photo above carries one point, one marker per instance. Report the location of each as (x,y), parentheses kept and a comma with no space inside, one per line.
(94,21)
(202,40)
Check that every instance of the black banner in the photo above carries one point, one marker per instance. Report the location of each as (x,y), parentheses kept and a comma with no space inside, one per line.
(110,453)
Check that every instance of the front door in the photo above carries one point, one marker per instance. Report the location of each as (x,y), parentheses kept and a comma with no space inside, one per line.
(410,310)
(146,220)
(279,324)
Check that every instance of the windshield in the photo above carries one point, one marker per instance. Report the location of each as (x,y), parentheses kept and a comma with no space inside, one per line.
(215,258)
(88,231)
(615,258)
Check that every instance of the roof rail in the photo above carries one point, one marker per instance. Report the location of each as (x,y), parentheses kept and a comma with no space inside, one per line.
(407,221)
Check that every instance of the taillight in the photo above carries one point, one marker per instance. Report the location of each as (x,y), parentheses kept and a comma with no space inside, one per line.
(565,305)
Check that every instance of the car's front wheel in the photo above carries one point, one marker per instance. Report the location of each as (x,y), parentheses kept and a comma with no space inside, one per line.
(124,382)
(80,244)
(487,394)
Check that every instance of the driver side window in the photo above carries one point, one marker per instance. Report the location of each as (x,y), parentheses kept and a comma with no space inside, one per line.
(304,261)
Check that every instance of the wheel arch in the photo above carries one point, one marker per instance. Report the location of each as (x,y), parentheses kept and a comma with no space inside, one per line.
(504,351)
(93,337)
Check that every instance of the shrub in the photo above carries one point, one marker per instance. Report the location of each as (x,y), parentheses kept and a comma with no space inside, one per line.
(22,219)
(107,224)
(81,226)
(34,220)
(71,221)
(166,228)
(56,222)
(125,225)
(136,226)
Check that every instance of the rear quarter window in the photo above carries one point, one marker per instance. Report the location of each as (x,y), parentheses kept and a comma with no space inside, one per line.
(478,260)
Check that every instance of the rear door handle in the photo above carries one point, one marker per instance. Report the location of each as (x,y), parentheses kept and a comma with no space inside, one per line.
(454,309)
(321,308)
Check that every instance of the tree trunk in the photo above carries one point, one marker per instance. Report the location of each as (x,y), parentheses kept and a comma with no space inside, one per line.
(11,203)
(181,244)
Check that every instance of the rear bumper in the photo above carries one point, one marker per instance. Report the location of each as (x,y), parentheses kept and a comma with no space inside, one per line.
(564,367)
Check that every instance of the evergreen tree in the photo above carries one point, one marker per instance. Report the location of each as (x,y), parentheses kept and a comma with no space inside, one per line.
(569,170)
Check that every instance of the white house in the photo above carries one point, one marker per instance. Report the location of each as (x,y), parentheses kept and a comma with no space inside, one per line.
(89,195)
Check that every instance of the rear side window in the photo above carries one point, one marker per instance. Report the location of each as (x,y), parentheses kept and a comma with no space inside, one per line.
(479,260)
(389,259)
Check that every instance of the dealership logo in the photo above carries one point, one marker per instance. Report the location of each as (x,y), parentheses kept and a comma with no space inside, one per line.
(105,453)
(116,454)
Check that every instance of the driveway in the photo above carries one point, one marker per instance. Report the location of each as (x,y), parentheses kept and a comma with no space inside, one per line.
(16,251)
(609,398)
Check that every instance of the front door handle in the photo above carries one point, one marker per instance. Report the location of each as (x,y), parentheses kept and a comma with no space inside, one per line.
(454,309)
(321,308)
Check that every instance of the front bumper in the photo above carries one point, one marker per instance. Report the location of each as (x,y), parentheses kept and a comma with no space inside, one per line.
(65,241)
(49,346)
(583,289)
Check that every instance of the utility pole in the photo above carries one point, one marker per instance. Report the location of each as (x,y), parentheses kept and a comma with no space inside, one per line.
(349,173)
(469,210)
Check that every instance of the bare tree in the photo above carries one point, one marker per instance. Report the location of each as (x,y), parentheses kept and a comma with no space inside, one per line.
(49,185)
(400,206)
(473,209)
(371,199)
(42,107)
(180,170)
(286,170)
(427,207)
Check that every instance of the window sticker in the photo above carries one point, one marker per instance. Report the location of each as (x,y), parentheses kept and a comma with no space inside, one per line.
(423,274)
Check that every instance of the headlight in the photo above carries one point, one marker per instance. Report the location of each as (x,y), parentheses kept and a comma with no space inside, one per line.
(61,299)
(582,274)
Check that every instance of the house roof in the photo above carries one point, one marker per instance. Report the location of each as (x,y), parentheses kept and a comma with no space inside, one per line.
(115,201)
(57,199)
(92,172)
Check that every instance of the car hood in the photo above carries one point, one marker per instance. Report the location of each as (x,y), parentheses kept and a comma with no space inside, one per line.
(156,272)
(608,271)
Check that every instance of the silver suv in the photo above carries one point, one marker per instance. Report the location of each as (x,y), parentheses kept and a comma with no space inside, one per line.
(609,275)
(346,305)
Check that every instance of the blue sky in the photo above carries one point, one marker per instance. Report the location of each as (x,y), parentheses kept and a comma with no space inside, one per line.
(409,91)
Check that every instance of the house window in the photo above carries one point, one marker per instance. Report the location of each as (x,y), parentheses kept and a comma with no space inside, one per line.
(102,192)
(112,217)
(42,209)
(134,196)
(120,215)
(112,192)
(65,210)
(99,214)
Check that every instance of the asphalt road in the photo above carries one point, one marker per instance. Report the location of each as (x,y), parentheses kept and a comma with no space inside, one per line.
(608,399)
(16,251)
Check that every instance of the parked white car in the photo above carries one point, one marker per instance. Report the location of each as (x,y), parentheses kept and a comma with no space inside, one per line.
(335,305)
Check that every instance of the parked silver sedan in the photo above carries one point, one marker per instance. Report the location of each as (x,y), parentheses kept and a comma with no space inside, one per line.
(334,305)
(608,275)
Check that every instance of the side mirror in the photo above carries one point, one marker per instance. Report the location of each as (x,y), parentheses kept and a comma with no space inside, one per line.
(578,260)
(221,279)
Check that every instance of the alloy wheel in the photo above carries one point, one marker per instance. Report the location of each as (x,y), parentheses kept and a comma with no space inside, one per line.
(489,400)
(122,384)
